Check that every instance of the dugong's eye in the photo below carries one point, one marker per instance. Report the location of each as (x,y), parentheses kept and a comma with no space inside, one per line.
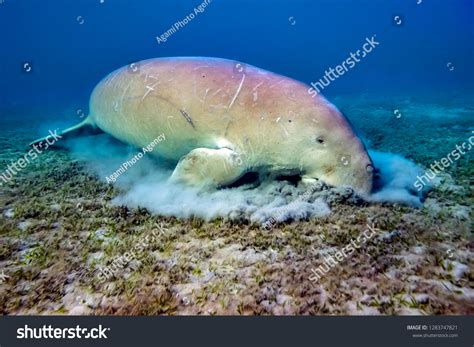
(320,140)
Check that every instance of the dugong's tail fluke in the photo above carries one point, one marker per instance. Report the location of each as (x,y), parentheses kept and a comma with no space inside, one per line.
(84,128)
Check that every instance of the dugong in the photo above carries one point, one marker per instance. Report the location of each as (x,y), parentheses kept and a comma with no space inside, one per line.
(222,119)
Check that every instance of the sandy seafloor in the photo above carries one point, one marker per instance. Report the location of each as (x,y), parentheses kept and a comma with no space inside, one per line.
(57,225)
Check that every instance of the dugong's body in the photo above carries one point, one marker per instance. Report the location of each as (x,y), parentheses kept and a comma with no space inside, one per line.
(222,119)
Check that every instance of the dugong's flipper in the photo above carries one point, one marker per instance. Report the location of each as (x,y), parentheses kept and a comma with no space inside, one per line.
(86,127)
(203,167)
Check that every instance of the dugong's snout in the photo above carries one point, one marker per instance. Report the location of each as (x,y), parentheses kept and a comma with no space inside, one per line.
(360,176)
(337,155)
(355,170)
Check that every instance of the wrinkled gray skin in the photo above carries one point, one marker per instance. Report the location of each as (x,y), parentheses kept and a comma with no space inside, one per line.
(222,119)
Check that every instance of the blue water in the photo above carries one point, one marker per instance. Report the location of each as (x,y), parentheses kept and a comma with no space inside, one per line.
(70,45)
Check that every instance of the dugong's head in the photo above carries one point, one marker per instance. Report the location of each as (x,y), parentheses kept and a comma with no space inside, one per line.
(328,149)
